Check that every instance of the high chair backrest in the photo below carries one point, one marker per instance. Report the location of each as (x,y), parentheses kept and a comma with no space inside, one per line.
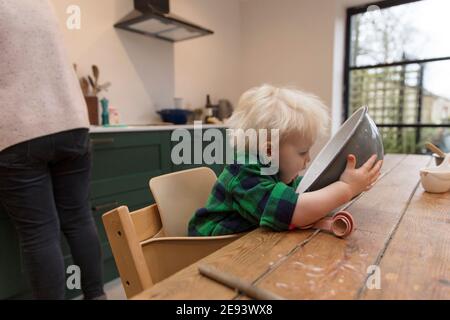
(179,194)
(125,233)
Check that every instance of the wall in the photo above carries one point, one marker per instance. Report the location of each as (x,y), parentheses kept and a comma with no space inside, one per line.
(140,69)
(284,42)
(211,64)
(148,73)
(298,43)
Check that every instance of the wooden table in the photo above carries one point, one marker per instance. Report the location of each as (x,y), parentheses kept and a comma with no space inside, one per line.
(402,237)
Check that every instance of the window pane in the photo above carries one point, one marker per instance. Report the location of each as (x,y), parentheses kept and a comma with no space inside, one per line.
(436,93)
(399,140)
(392,93)
(417,30)
(439,136)
(410,94)
(412,140)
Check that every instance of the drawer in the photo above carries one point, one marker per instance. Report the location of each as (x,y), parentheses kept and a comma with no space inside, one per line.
(135,199)
(126,161)
(122,184)
(122,154)
(197,139)
(129,198)
(117,140)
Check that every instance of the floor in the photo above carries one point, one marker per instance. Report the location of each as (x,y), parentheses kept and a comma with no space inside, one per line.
(113,290)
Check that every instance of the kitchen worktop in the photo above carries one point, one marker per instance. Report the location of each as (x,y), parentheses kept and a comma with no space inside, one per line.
(131,128)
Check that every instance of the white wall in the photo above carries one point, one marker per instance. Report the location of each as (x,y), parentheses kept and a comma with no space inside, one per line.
(298,43)
(141,69)
(210,64)
(284,42)
(288,42)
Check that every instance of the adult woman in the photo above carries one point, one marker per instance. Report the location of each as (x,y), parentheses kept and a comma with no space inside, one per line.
(45,159)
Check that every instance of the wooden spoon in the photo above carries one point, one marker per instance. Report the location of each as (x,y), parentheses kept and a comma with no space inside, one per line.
(84,86)
(94,87)
(96,73)
(236,283)
(435,149)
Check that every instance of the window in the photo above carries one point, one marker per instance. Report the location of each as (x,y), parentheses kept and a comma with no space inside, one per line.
(398,64)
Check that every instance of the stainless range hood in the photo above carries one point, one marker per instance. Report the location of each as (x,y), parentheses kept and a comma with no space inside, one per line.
(153,18)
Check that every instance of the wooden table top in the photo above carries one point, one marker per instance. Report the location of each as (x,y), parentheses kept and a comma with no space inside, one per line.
(402,239)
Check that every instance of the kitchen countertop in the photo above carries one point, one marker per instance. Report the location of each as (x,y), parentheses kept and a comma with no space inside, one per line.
(132,128)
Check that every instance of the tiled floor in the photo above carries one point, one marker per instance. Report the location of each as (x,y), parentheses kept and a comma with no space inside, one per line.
(113,290)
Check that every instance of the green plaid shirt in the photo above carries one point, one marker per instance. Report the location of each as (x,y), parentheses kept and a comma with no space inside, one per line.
(242,199)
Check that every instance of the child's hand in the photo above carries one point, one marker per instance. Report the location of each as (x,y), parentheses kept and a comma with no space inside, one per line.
(363,178)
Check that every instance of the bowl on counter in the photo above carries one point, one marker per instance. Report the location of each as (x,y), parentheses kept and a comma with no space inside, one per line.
(437,159)
(359,136)
(175,116)
(436,179)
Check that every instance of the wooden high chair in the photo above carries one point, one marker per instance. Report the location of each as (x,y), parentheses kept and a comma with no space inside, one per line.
(151,244)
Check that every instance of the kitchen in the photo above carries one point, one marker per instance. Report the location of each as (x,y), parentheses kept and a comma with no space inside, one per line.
(129,78)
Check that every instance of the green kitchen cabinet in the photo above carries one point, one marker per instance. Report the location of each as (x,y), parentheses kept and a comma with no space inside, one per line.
(198,139)
(123,164)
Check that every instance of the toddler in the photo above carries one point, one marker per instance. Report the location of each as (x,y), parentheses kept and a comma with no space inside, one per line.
(244,198)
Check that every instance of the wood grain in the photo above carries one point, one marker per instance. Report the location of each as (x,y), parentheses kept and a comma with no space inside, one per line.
(331,268)
(416,264)
(236,283)
(250,258)
(247,258)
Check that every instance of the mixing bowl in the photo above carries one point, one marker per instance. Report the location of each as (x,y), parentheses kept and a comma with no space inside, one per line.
(436,179)
(176,116)
(359,136)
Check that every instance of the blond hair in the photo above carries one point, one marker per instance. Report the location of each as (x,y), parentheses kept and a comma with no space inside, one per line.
(287,109)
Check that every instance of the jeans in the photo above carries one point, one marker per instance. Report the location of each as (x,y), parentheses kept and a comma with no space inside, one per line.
(44,188)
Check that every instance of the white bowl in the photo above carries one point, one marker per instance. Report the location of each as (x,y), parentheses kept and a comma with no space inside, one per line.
(436,179)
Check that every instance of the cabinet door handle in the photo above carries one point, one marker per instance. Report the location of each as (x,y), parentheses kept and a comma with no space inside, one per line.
(106,206)
(102,141)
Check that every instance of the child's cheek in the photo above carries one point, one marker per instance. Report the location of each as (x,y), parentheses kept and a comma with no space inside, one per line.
(303,164)
(284,177)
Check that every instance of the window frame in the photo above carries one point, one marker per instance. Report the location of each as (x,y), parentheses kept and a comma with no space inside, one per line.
(348,69)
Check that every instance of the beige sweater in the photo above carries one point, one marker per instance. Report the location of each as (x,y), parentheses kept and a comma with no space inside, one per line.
(39,91)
